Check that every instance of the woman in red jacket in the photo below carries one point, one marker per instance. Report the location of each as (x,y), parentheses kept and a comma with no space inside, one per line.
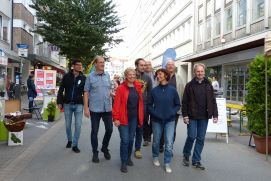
(127,114)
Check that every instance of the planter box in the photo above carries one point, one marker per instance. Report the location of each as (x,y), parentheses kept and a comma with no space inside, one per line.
(3,132)
(15,138)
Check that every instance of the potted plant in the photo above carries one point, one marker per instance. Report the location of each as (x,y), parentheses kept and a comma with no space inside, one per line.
(255,102)
(51,109)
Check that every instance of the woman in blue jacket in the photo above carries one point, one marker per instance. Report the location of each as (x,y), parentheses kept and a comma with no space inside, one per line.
(163,105)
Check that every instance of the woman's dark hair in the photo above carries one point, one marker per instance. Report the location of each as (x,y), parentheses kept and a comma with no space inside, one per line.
(31,76)
(167,75)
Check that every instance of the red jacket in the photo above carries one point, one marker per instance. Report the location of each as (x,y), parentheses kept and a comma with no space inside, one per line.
(119,111)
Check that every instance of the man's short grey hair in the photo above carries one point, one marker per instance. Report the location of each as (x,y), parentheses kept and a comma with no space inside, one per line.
(198,65)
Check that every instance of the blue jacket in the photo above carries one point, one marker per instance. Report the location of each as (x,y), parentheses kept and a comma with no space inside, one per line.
(163,103)
(31,92)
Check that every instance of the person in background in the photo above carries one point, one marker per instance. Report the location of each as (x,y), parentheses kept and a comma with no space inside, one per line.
(149,71)
(163,104)
(146,86)
(31,92)
(97,105)
(198,106)
(70,96)
(215,84)
(127,115)
(174,81)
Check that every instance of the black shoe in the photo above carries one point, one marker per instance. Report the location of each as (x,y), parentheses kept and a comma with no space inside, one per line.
(69,144)
(130,162)
(186,161)
(161,149)
(198,165)
(123,168)
(106,153)
(95,158)
(75,149)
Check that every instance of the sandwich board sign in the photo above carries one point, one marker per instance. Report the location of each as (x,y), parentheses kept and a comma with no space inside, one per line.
(221,126)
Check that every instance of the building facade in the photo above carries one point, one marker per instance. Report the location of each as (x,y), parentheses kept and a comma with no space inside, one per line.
(225,35)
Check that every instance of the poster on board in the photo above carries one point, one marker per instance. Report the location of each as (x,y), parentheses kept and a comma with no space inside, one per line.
(44,79)
(221,126)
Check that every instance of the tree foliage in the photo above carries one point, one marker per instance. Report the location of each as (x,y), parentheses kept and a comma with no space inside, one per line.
(255,99)
(80,28)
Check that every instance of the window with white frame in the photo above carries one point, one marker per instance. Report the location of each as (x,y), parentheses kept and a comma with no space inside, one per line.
(208,29)
(241,12)
(200,11)
(228,19)
(217,4)
(1,27)
(208,8)
(217,24)
(200,33)
(257,9)
(227,1)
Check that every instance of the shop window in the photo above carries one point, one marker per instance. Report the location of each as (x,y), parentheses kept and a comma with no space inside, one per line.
(241,12)
(236,78)
(257,9)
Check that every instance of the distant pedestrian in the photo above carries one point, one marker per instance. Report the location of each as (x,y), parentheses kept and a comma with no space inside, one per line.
(70,96)
(97,105)
(163,104)
(146,86)
(31,92)
(198,105)
(127,115)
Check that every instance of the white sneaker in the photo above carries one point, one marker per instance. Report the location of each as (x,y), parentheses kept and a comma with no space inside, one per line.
(156,162)
(167,168)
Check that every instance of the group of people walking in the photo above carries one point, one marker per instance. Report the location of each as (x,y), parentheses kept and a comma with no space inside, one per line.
(146,104)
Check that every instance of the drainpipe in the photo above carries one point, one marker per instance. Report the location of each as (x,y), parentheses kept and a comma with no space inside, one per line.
(11,37)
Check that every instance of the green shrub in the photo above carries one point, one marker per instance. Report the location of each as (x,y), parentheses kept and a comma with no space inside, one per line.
(51,108)
(255,99)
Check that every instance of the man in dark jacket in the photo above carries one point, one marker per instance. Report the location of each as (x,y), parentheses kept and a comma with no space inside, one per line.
(73,84)
(198,105)
(146,82)
(31,92)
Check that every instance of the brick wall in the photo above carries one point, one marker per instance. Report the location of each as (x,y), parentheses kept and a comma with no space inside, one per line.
(20,12)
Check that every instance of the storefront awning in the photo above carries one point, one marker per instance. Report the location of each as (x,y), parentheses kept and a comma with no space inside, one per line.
(36,58)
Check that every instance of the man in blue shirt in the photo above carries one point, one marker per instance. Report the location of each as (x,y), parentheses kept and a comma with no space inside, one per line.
(97,104)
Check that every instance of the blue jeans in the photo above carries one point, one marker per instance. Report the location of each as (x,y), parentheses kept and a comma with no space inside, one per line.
(77,110)
(95,118)
(30,104)
(157,129)
(127,135)
(196,129)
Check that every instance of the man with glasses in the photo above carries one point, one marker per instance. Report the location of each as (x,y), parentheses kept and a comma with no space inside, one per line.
(73,85)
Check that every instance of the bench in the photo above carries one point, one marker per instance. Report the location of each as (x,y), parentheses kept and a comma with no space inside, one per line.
(242,113)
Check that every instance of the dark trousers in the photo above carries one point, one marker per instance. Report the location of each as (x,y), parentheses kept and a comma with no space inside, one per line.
(162,142)
(95,123)
(147,126)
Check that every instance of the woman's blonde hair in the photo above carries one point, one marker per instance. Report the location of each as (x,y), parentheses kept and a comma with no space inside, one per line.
(129,69)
